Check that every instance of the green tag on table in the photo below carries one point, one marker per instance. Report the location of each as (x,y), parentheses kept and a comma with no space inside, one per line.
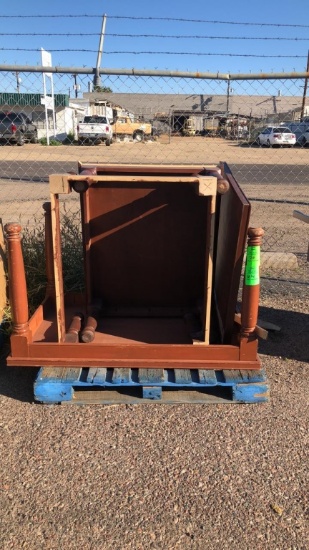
(252,269)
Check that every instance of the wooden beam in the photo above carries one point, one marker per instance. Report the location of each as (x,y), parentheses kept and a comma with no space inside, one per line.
(211,211)
(59,184)
(59,295)
(207,186)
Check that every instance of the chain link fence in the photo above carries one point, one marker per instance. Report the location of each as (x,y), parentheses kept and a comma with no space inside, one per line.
(163,119)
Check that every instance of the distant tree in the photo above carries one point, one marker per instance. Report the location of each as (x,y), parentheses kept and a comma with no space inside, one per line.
(104,89)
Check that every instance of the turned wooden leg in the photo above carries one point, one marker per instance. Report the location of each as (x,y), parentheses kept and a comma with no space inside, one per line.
(17,279)
(251,286)
(88,332)
(222,183)
(72,334)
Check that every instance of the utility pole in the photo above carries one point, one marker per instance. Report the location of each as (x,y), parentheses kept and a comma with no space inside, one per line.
(18,81)
(76,86)
(97,78)
(228,93)
(305,92)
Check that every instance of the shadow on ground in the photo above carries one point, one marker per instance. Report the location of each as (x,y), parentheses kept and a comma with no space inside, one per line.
(291,341)
(16,382)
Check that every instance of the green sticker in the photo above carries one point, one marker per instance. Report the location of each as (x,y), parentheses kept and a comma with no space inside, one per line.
(253,254)
(252,269)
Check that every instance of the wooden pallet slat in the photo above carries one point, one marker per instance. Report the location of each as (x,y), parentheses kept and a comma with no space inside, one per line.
(118,386)
(250,393)
(151,376)
(121,376)
(207,377)
(56,387)
(243,376)
(100,376)
(96,375)
(183,376)
(151,381)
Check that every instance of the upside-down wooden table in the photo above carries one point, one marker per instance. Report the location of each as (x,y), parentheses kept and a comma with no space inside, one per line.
(163,251)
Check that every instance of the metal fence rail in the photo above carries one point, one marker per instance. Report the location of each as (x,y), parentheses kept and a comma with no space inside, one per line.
(196,118)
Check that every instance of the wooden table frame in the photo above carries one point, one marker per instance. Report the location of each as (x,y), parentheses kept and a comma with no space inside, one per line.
(31,344)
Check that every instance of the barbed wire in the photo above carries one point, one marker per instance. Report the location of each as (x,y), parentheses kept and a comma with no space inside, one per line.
(150,18)
(179,36)
(121,52)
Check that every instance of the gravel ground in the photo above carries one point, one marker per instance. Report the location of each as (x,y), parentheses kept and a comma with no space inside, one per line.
(167,477)
(164,476)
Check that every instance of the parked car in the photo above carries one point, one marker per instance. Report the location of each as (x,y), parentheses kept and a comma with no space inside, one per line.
(301,131)
(124,126)
(95,129)
(276,135)
(17,128)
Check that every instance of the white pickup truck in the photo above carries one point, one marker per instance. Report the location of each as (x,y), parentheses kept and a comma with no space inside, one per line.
(95,129)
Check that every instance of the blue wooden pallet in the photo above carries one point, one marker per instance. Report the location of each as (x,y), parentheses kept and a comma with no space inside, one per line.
(114,386)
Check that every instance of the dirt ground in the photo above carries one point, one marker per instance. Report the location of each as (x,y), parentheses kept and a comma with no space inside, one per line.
(165,150)
(187,477)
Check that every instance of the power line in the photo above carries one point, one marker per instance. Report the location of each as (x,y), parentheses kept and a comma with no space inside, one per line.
(140,18)
(157,53)
(180,36)
(207,21)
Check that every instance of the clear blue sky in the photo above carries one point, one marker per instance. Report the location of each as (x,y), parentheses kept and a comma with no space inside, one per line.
(276,12)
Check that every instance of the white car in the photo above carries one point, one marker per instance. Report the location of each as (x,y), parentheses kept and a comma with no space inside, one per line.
(276,135)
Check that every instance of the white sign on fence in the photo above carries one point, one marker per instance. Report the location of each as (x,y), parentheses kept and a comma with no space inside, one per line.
(46,60)
(48,100)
